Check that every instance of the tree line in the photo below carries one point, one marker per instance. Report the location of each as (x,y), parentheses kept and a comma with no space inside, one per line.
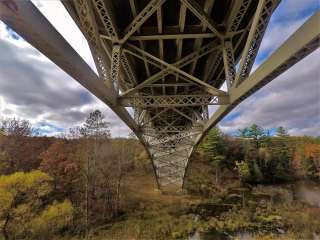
(259,157)
(254,156)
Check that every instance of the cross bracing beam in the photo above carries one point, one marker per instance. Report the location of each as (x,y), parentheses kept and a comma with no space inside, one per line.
(105,12)
(181,151)
(208,88)
(180,64)
(155,116)
(143,16)
(173,101)
(181,113)
(197,10)
(172,36)
(142,57)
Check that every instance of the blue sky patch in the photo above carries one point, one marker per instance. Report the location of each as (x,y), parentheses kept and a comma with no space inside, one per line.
(45,128)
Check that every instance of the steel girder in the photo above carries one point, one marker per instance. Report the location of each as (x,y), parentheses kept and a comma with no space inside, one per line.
(171,103)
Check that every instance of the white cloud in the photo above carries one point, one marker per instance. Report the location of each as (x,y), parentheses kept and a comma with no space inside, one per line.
(278,33)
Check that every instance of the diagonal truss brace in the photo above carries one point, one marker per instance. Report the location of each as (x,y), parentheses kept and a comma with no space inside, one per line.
(210,47)
(229,64)
(206,87)
(104,10)
(260,22)
(105,13)
(143,16)
(196,9)
(88,23)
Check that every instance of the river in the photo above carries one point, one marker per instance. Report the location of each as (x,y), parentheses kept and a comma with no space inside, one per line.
(304,191)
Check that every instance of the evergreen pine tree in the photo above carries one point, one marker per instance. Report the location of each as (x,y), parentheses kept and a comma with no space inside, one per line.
(214,147)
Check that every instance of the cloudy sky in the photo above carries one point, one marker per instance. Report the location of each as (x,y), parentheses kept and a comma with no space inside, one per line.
(30,84)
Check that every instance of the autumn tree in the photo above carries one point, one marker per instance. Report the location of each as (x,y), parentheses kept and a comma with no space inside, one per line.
(52,219)
(58,162)
(92,152)
(310,168)
(234,152)
(21,150)
(96,131)
(22,198)
(310,160)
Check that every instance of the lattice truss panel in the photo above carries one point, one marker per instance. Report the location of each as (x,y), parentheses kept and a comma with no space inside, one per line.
(170,67)
(170,155)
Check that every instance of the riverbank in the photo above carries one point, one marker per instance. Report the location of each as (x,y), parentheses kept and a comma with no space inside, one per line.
(288,211)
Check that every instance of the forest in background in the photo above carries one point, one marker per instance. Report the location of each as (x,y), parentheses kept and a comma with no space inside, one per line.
(87,182)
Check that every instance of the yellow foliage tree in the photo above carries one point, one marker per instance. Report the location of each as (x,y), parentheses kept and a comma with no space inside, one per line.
(22,197)
(52,219)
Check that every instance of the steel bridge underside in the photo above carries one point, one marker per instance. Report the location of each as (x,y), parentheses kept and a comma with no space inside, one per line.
(167,60)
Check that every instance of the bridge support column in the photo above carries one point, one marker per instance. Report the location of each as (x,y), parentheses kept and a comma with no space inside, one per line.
(170,154)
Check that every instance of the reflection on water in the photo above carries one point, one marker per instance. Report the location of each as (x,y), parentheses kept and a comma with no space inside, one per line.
(220,236)
(209,236)
(308,192)
(214,235)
